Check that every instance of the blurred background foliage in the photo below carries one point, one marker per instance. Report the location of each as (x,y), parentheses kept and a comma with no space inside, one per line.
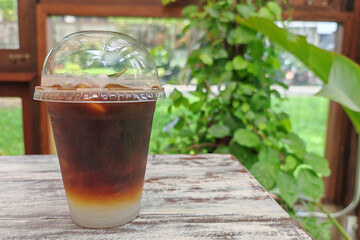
(221,80)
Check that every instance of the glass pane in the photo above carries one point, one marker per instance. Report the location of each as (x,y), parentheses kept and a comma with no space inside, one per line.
(9,28)
(170,48)
(11,127)
(321,34)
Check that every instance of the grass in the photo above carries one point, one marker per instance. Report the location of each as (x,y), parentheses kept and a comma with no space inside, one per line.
(308,115)
(11,134)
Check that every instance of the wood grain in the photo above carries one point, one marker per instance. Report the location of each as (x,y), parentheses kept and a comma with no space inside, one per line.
(318,15)
(122,2)
(185,197)
(122,10)
(17,77)
(27,30)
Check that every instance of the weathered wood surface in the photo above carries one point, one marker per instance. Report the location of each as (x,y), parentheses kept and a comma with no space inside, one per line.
(185,197)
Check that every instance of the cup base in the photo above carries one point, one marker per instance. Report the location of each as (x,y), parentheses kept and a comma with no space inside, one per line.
(103,216)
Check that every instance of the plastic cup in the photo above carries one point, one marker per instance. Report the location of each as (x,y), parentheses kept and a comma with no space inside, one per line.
(100,89)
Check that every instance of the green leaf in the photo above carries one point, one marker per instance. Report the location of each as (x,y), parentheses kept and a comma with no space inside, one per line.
(243,154)
(339,88)
(311,226)
(227,17)
(212,11)
(238,113)
(295,144)
(235,104)
(241,35)
(166,2)
(178,99)
(267,154)
(325,230)
(216,42)
(194,57)
(274,8)
(286,124)
(259,102)
(253,69)
(229,66)
(184,101)
(219,131)
(250,115)
(244,10)
(290,163)
(223,27)
(205,58)
(287,187)
(222,149)
(320,62)
(246,138)
(319,164)
(196,106)
(118,74)
(265,13)
(256,49)
(354,117)
(310,184)
(245,107)
(231,122)
(225,77)
(190,11)
(265,173)
(239,63)
(186,133)
(229,90)
(220,52)
(276,65)
(176,94)
(261,122)
(247,89)
(215,33)
(214,103)
(180,124)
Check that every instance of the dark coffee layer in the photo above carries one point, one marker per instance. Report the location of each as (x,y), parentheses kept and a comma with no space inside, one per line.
(102,147)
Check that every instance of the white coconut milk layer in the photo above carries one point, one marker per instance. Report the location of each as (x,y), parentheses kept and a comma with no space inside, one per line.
(103,216)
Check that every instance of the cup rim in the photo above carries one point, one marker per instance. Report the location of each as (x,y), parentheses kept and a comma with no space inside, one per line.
(98,95)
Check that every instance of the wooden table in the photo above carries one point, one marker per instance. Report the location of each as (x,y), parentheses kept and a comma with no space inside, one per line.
(185,197)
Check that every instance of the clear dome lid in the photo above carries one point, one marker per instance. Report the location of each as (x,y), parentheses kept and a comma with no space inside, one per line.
(99,66)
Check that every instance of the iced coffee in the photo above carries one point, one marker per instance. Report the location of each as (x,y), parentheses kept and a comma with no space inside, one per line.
(101,116)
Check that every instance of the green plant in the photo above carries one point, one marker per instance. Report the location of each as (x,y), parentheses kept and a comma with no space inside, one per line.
(309,127)
(230,111)
(339,74)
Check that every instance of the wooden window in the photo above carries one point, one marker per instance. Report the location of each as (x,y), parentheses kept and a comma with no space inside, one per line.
(18,57)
